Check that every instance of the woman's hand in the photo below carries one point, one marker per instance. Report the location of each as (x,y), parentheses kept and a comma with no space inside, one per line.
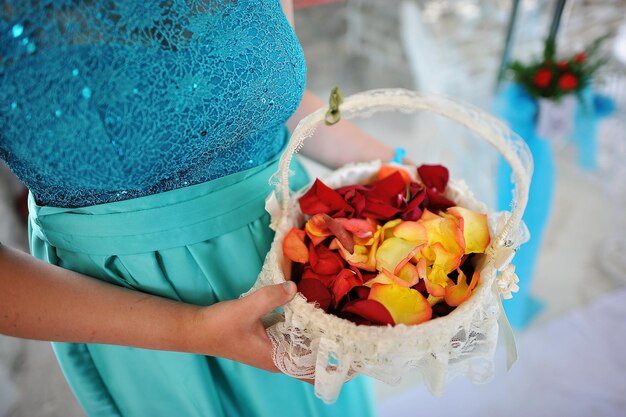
(44,302)
(234,329)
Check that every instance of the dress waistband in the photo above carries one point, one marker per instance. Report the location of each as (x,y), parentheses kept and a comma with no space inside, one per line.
(170,219)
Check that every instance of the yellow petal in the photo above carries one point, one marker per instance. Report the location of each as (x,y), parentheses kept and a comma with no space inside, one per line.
(433,300)
(406,305)
(445,260)
(394,253)
(410,274)
(363,257)
(436,282)
(411,231)
(388,228)
(475,229)
(445,231)
(386,277)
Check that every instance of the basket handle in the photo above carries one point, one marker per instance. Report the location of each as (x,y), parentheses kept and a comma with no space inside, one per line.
(510,145)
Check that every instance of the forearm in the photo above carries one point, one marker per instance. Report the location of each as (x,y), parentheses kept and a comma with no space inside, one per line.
(45,302)
(339,144)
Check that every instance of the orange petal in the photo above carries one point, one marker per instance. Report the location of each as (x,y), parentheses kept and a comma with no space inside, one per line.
(406,305)
(475,229)
(360,228)
(294,247)
(456,294)
(316,226)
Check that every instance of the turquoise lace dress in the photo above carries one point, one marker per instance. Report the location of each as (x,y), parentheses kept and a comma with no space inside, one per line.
(147,132)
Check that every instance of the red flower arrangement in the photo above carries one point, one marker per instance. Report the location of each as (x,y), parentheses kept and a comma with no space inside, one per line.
(553,79)
(394,251)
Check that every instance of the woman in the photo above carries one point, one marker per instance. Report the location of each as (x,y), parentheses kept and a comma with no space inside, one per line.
(147,133)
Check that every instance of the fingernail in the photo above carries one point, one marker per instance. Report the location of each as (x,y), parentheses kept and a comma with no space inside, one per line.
(290,287)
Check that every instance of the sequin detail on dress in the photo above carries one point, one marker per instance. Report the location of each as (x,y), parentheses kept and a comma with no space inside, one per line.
(108,100)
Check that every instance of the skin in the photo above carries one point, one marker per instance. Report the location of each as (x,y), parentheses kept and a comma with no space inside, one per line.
(45,302)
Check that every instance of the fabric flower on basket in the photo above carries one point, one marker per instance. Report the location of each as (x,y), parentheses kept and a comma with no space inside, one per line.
(398,269)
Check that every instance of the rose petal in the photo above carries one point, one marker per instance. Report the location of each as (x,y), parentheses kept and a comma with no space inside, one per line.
(394,253)
(324,261)
(340,232)
(294,247)
(410,274)
(445,260)
(414,209)
(412,231)
(316,229)
(359,292)
(386,277)
(437,201)
(436,282)
(445,231)
(371,310)
(363,257)
(326,279)
(475,229)
(316,292)
(345,281)
(360,228)
(322,199)
(386,170)
(457,294)
(433,300)
(434,176)
(406,305)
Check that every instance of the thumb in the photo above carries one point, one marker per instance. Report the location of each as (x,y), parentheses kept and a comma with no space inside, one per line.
(266,299)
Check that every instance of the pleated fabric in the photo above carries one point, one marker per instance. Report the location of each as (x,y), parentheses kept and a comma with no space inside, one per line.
(201,244)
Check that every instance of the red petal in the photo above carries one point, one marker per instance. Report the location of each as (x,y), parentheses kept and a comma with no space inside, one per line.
(413,211)
(436,201)
(314,291)
(379,209)
(434,176)
(387,188)
(359,292)
(324,261)
(386,170)
(370,310)
(322,199)
(327,280)
(345,281)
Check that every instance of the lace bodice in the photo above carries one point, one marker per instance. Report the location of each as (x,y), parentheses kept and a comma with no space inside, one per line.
(105,100)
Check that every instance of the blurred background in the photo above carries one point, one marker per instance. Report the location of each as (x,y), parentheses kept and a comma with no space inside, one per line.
(569,315)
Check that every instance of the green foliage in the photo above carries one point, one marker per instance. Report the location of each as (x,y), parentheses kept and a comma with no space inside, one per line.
(554,78)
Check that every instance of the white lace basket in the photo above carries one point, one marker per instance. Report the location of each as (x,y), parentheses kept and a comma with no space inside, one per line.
(309,343)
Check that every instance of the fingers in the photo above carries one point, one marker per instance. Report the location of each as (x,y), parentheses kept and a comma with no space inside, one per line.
(268,298)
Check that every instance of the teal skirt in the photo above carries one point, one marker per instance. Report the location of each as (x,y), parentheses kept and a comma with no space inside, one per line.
(201,244)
